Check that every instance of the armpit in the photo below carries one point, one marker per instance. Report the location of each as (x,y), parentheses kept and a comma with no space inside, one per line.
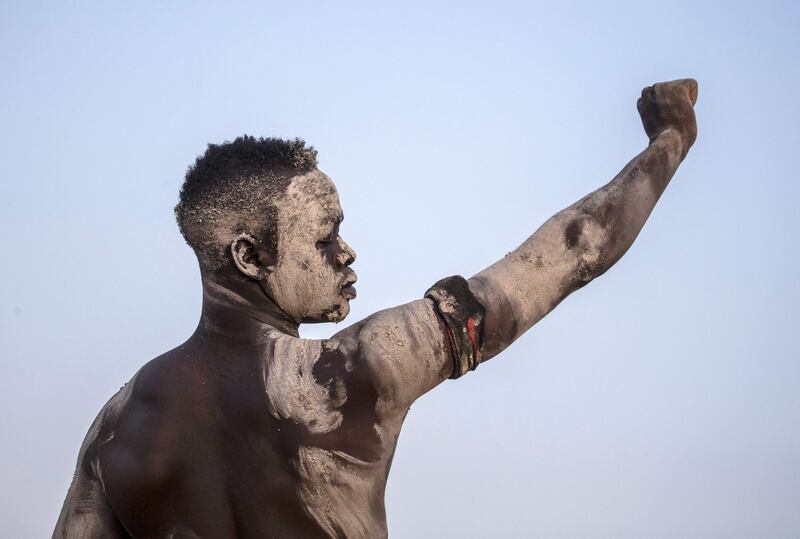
(463,316)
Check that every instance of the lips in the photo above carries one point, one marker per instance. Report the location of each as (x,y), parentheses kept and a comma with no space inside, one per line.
(348,290)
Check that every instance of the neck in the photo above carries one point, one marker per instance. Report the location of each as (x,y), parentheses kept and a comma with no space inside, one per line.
(241,312)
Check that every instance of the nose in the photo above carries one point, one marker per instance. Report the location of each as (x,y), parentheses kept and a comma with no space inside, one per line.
(347,255)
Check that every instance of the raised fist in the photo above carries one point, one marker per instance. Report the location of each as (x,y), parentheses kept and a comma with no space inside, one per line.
(670,105)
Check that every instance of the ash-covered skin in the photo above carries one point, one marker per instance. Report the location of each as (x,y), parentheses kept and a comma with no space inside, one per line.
(246,430)
(305,281)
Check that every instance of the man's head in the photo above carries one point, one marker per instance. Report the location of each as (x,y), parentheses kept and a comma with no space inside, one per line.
(260,211)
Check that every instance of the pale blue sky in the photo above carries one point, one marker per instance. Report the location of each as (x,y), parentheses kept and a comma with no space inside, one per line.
(663,400)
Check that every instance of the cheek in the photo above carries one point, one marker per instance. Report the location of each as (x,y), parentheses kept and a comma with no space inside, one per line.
(320,299)
(301,259)
(307,276)
(320,271)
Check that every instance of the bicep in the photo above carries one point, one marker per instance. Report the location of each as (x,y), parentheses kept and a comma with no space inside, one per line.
(403,351)
(138,460)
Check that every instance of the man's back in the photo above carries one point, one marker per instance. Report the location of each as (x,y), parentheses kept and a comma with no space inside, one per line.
(272,442)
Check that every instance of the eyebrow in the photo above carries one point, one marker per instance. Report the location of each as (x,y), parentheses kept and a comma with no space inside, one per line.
(333,218)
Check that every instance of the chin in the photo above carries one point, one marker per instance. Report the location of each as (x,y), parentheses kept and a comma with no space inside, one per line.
(343,309)
(335,313)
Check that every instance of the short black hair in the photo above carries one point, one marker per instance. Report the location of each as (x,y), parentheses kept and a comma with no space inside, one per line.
(232,188)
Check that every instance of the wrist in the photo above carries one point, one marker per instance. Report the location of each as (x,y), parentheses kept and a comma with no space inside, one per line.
(673,140)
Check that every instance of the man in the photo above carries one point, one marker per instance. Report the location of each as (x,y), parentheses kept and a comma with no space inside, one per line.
(246,430)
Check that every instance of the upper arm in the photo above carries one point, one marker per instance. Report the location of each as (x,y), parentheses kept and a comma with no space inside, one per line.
(138,459)
(86,511)
(402,350)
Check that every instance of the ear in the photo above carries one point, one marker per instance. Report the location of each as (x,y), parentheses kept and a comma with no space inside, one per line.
(251,258)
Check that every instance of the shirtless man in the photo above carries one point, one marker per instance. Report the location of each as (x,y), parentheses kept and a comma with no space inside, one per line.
(247,430)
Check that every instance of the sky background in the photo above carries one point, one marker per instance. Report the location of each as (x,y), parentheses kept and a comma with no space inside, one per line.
(663,400)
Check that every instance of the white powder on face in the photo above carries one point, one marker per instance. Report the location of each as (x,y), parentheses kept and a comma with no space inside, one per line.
(304,283)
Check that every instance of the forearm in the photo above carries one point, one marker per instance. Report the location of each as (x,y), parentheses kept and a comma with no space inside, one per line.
(602,226)
(574,246)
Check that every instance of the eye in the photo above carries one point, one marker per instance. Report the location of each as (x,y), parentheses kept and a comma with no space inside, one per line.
(326,241)
(332,237)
